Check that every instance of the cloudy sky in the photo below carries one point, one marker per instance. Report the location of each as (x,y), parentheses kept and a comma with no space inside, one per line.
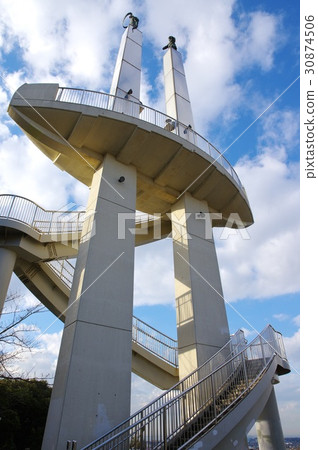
(242,65)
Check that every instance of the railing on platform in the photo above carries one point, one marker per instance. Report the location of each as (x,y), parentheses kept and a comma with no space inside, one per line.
(44,221)
(206,390)
(148,114)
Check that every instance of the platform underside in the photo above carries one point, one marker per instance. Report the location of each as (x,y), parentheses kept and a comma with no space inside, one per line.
(77,137)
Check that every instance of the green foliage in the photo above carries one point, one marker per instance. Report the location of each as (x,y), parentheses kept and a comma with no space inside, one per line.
(23,410)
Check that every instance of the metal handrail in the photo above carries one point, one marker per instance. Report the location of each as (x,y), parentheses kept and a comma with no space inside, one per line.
(214,394)
(156,342)
(148,114)
(161,345)
(63,269)
(44,221)
(21,209)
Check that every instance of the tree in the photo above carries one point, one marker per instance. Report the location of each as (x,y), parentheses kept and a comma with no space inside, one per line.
(23,410)
(23,402)
(15,334)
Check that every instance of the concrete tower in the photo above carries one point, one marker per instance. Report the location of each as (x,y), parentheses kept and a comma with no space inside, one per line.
(136,158)
(198,286)
(91,370)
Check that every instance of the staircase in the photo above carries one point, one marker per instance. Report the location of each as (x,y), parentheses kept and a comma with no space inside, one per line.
(195,407)
(231,388)
(42,240)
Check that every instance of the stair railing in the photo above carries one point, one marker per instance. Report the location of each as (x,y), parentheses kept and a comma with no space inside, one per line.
(44,221)
(150,338)
(213,395)
(63,269)
(143,334)
(155,342)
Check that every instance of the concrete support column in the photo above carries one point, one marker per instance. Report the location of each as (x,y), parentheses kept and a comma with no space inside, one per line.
(201,317)
(92,384)
(268,426)
(7,262)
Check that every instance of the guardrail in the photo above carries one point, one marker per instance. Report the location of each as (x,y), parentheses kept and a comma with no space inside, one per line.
(155,342)
(44,221)
(143,334)
(64,270)
(204,399)
(148,114)
(150,338)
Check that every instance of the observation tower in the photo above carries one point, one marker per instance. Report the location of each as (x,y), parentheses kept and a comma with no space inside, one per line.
(134,158)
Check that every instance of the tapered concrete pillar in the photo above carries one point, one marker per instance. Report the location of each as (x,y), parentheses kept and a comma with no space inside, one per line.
(268,426)
(91,391)
(7,262)
(127,74)
(177,98)
(201,317)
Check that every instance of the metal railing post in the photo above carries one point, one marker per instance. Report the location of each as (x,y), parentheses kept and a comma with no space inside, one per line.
(33,220)
(49,230)
(14,197)
(213,395)
(184,400)
(142,429)
(244,369)
(262,349)
(165,428)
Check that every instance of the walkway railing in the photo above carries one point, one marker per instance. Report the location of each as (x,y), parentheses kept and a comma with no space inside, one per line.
(148,114)
(205,390)
(44,221)
(64,270)
(52,222)
(155,342)
(151,339)
(143,334)
(23,210)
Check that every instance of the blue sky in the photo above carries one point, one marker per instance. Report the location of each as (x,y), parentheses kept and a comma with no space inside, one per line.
(239,58)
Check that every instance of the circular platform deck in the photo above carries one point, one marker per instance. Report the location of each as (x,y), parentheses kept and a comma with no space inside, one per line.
(77,128)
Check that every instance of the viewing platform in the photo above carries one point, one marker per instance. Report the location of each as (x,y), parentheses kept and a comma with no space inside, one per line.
(76,128)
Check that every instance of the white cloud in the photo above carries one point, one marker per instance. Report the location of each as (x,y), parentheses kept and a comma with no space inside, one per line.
(142,393)
(215,50)
(292,346)
(75,44)
(26,171)
(281,317)
(68,39)
(296,320)
(288,390)
(40,361)
(154,279)
(258,39)
(267,264)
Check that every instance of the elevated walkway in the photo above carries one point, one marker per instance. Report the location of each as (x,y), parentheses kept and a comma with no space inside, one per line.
(43,240)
